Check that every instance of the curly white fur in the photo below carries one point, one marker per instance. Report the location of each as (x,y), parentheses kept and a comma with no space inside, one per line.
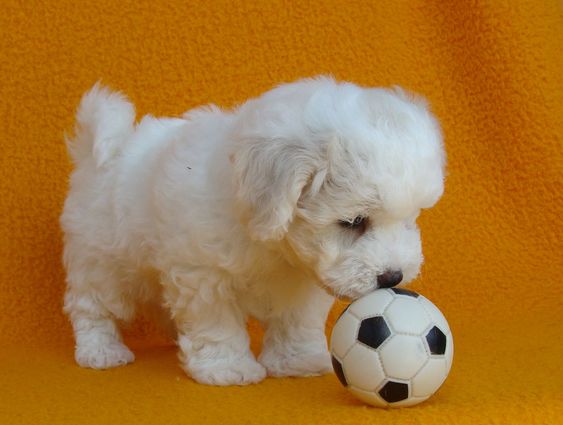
(223,214)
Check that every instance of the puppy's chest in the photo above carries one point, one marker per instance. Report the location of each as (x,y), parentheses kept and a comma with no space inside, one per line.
(270,294)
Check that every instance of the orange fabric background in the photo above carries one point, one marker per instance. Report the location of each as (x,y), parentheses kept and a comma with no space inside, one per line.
(492,71)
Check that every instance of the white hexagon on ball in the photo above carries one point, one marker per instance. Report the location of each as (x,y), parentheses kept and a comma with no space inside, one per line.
(372,304)
(431,375)
(346,327)
(403,356)
(392,348)
(406,316)
(364,378)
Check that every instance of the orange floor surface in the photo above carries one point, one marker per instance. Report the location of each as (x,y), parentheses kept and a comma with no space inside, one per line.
(492,72)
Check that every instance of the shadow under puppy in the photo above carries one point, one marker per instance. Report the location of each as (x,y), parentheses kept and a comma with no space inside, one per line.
(307,192)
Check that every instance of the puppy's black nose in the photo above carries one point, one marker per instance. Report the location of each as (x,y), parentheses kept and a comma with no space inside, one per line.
(389,279)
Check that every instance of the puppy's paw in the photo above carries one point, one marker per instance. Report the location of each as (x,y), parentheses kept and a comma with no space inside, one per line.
(235,372)
(103,356)
(296,364)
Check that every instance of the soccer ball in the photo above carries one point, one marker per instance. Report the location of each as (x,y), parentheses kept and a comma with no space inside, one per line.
(392,348)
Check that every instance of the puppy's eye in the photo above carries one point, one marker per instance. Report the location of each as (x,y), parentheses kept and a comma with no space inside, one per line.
(359,223)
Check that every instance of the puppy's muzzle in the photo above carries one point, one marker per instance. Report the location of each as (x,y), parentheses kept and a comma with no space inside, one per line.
(389,279)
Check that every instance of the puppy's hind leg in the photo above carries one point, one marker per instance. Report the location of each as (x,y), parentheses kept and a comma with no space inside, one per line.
(93,315)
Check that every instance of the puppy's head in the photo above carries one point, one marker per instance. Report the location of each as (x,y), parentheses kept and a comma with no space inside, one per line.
(339,174)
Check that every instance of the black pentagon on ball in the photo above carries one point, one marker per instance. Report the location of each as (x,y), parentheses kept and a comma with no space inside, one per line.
(373,331)
(401,291)
(337,366)
(393,392)
(436,341)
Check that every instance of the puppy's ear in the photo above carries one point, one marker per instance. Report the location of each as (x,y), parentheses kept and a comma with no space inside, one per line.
(270,176)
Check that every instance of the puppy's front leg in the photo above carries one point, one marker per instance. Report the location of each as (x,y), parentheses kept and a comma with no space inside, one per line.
(295,341)
(212,336)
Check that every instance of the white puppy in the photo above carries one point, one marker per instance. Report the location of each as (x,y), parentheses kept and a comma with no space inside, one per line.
(308,192)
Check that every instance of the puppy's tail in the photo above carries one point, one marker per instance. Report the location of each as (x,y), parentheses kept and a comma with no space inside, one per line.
(104,120)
